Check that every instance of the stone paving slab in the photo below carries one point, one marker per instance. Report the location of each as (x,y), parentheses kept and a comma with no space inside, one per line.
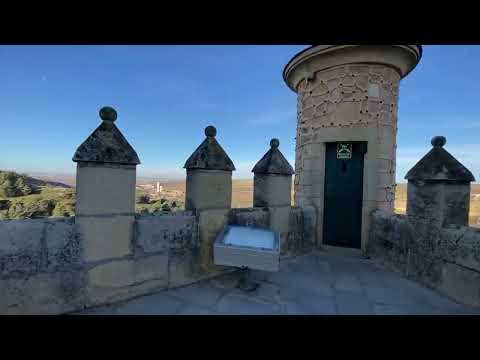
(205,296)
(353,303)
(239,304)
(329,282)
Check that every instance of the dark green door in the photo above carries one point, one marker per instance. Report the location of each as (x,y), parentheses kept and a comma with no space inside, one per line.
(342,222)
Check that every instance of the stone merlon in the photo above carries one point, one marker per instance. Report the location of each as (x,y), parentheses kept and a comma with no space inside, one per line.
(107,144)
(273,162)
(210,155)
(439,164)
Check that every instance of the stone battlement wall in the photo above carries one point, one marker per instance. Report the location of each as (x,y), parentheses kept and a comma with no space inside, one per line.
(43,269)
(107,253)
(433,243)
(442,257)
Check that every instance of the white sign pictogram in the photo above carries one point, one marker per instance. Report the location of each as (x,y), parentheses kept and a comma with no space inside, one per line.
(344,150)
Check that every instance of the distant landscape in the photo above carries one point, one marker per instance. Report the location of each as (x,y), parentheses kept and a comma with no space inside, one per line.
(47,195)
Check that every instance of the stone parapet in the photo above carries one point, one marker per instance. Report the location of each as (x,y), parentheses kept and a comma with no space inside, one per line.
(445,258)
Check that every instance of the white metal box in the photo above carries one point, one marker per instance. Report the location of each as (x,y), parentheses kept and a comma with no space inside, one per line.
(242,246)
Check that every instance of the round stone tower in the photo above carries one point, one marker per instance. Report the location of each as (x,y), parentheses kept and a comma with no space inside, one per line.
(346,133)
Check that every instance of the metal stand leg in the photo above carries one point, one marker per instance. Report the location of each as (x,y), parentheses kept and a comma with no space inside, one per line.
(245,283)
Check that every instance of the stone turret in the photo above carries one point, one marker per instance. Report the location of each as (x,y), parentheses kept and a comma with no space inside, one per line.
(348,93)
(209,175)
(272,179)
(106,176)
(439,187)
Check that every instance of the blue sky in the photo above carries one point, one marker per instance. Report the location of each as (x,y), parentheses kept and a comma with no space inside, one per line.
(166,95)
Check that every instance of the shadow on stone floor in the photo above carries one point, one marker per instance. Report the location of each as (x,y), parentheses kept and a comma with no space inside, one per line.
(328,282)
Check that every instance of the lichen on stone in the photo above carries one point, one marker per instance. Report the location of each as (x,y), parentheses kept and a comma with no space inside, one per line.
(273,162)
(209,155)
(106,145)
(439,164)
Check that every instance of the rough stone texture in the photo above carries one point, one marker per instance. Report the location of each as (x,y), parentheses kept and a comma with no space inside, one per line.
(445,201)
(46,256)
(105,209)
(63,244)
(208,189)
(50,251)
(280,222)
(121,279)
(301,232)
(323,282)
(28,247)
(184,267)
(446,258)
(439,164)
(356,102)
(296,225)
(462,282)
(272,190)
(45,293)
(273,162)
(209,156)
(339,97)
(40,267)
(439,187)
(210,224)
(21,250)
(106,145)
(157,233)
(295,238)
(105,190)
(309,226)
(254,217)
(106,238)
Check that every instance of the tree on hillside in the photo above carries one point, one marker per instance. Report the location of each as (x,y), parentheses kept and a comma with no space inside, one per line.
(28,208)
(142,198)
(13,184)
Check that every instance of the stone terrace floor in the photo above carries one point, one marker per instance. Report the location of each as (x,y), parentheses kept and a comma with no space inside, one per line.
(330,282)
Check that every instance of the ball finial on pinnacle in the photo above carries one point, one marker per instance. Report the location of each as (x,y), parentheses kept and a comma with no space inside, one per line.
(107,113)
(210,131)
(439,141)
(274,143)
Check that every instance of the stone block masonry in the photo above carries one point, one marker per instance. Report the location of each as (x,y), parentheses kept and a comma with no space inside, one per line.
(296,226)
(170,231)
(348,93)
(333,102)
(40,267)
(43,269)
(445,258)
(108,254)
(433,243)
(29,247)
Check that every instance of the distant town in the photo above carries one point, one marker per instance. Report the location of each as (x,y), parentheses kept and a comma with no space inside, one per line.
(54,195)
